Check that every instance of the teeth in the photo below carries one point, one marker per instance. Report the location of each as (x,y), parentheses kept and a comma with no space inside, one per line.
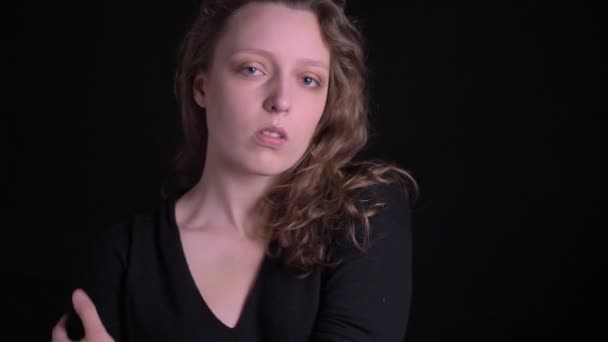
(271,134)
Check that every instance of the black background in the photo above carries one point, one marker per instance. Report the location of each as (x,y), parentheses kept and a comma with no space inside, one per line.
(485,102)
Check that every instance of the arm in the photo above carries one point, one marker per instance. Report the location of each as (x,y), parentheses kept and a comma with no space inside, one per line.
(102,281)
(367,297)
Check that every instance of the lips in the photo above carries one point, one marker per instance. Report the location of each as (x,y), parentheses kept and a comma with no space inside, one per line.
(271,137)
(273,131)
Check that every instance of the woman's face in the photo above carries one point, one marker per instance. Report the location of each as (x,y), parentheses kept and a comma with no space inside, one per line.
(265,90)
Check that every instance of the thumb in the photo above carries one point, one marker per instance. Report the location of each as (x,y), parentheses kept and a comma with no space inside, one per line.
(88,314)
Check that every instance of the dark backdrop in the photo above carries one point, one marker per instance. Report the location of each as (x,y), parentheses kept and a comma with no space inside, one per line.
(483,102)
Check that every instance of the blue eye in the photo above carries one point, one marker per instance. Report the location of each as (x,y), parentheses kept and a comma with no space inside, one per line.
(310,82)
(251,70)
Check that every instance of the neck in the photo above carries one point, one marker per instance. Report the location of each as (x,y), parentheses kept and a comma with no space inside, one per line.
(225,201)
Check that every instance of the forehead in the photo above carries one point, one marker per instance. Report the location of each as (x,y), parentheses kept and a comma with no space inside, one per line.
(281,30)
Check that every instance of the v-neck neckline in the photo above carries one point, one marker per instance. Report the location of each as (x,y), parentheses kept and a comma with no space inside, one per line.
(192,287)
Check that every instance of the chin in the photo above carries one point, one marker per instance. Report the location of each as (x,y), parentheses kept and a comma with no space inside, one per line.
(269,168)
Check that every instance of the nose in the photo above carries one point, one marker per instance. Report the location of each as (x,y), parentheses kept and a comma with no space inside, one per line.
(278,99)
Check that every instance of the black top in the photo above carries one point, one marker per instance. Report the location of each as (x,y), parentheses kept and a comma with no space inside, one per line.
(143,290)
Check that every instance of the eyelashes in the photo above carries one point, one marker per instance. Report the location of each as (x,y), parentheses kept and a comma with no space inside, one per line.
(311,82)
(306,80)
(251,70)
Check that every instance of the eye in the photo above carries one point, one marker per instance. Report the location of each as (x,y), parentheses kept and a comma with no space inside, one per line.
(251,70)
(311,82)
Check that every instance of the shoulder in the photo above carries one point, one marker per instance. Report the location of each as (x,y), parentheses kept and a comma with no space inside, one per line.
(366,294)
(390,195)
(387,229)
(391,207)
(142,226)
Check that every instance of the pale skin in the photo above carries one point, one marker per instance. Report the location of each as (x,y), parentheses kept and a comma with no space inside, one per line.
(271,67)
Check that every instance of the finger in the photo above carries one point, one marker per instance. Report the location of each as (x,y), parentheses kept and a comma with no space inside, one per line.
(59,333)
(88,314)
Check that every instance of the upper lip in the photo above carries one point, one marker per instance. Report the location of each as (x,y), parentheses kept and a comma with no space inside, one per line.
(275,129)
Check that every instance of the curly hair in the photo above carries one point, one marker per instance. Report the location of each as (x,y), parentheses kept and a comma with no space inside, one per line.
(315,200)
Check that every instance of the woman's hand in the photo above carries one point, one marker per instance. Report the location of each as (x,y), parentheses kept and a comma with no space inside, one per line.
(94,331)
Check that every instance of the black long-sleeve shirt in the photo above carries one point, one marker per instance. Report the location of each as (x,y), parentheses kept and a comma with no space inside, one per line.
(143,290)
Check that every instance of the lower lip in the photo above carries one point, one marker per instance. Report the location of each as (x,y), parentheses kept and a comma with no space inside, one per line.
(267,140)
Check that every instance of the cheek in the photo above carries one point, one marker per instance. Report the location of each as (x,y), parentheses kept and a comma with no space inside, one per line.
(228,113)
(305,129)
(308,123)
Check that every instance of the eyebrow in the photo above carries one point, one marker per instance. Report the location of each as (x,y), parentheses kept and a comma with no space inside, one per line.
(268,54)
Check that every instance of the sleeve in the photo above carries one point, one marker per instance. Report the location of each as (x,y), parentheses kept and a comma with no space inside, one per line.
(103,280)
(367,296)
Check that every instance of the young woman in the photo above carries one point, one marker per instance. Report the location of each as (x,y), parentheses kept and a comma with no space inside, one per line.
(276,234)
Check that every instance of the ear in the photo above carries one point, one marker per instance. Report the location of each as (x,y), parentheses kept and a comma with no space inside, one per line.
(198,90)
